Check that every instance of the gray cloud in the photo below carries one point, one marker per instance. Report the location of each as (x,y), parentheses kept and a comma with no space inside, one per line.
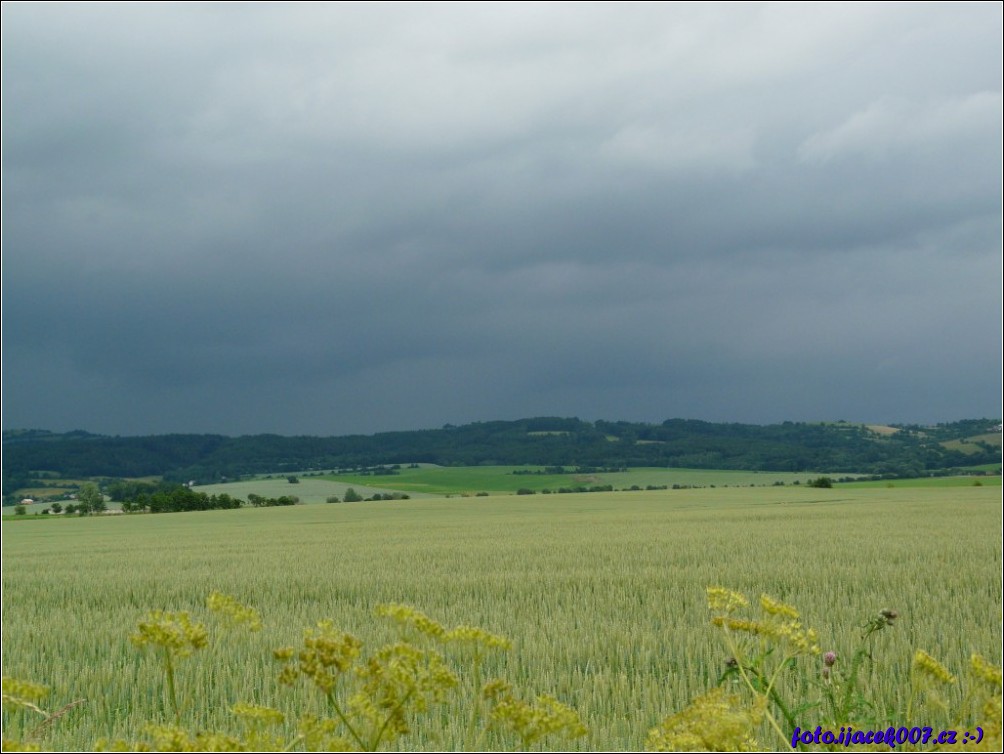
(362,217)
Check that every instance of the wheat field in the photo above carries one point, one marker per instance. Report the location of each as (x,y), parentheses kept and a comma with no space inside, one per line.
(601,594)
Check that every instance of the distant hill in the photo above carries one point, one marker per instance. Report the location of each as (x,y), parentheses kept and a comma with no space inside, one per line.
(899,450)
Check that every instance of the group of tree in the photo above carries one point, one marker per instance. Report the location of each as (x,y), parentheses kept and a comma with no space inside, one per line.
(351,496)
(546,441)
(138,497)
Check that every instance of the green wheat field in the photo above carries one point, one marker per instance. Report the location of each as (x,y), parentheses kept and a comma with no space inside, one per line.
(602,594)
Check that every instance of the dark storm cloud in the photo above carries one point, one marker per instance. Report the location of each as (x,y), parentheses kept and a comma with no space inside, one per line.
(360,217)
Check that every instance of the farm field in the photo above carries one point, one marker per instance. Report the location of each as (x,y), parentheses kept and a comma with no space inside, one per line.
(937,481)
(470,480)
(602,595)
(308,489)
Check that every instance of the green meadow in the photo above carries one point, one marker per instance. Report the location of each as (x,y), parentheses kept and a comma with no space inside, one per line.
(601,594)
(934,481)
(470,480)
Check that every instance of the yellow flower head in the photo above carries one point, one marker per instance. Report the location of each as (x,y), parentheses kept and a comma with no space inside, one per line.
(18,693)
(409,616)
(741,624)
(255,713)
(478,636)
(713,722)
(927,665)
(234,611)
(725,600)
(531,722)
(989,674)
(326,654)
(779,609)
(173,632)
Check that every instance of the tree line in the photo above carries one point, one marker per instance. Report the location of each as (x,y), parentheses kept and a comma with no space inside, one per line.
(545,441)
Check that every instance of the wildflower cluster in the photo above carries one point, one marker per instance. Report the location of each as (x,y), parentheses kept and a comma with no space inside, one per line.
(411,618)
(233,611)
(257,714)
(722,600)
(327,653)
(984,671)
(928,666)
(175,633)
(398,680)
(778,622)
(476,636)
(18,694)
(373,699)
(21,695)
(531,722)
(780,638)
(382,694)
(175,738)
(714,721)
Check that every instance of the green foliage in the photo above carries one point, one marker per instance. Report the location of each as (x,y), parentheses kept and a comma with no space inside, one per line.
(90,499)
(835,447)
(823,482)
(351,496)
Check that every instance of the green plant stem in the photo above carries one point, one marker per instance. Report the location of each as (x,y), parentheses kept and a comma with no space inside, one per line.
(913,695)
(742,673)
(169,670)
(390,716)
(852,682)
(345,721)
(470,744)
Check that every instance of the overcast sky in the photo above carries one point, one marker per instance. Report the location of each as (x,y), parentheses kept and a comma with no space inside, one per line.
(330,219)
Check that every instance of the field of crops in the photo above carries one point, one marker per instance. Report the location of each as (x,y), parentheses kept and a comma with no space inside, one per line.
(470,480)
(602,595)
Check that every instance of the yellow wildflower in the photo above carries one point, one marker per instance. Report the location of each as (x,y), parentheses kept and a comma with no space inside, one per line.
(10,744)
(986,672)
(174,632)
(234,611)
(725,600)
(409,616)
(257,714)
(473,635)
(712,722)
(531,722)
(741,624)
(326,654)
(23,694)
(923,662)
(773,607)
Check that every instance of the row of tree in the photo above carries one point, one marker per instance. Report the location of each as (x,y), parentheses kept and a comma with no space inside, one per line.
(137,497)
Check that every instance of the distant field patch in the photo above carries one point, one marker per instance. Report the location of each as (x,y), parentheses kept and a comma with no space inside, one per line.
(309,490)
(469,480)
(933,482)
(882,429)
(969,444)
